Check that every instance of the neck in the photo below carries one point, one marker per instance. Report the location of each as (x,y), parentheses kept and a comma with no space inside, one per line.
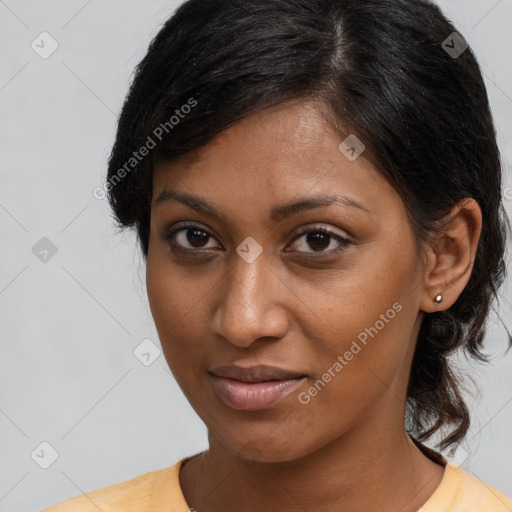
(387,473)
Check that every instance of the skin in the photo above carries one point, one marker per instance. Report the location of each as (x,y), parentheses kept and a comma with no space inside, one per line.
(347,449)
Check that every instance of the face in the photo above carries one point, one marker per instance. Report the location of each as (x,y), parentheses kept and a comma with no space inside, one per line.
(325,292)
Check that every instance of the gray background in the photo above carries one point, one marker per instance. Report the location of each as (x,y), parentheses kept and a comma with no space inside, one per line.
(69,325)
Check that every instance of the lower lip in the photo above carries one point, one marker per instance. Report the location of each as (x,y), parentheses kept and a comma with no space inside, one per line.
(254,396)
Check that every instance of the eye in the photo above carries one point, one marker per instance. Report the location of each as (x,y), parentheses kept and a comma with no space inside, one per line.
(188,237)
(319,239)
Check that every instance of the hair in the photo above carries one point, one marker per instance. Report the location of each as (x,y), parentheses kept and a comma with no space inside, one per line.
(380,71)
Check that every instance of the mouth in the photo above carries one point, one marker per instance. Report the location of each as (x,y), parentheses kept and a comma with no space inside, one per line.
(254,388)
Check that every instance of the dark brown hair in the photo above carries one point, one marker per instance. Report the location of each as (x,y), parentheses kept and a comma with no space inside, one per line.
(383,71)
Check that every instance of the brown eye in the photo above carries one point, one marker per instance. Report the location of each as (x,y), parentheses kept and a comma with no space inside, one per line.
(319,240)
(189,237)
(192,238)
(195,237)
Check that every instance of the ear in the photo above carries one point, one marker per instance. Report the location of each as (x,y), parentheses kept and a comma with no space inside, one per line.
(450,256)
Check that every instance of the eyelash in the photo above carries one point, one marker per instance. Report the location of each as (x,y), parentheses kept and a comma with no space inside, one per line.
(167,237)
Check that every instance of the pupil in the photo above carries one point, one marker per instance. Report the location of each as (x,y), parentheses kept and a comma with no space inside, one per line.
(317,241)
(193,235)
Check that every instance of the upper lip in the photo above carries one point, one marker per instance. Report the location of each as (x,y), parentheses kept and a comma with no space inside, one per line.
(259,373)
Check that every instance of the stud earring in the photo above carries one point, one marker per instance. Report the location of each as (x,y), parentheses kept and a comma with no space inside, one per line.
(438,299)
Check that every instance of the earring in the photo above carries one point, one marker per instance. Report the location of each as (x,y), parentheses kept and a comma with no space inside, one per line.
(438,299)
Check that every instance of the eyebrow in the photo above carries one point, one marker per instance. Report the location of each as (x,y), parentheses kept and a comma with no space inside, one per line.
(277,213)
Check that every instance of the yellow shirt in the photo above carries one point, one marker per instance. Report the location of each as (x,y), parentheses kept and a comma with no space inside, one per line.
(159,491)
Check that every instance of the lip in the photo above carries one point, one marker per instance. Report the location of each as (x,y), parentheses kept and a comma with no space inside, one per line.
(258,373)
(254,388)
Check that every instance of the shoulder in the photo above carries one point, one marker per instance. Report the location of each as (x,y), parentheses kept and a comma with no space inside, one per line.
(477,495)
(460,491)
(142,493)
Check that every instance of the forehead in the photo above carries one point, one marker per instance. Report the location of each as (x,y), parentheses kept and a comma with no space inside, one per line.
(283,152)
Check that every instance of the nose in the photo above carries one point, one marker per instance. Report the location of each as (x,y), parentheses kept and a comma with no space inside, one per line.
(251,303)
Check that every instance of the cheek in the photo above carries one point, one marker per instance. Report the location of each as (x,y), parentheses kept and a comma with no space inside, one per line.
(173,305)
(179,302)
(361,344)
(364,366)
(363,336)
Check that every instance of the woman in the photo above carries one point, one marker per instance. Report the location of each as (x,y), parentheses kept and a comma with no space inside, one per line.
(316,188)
